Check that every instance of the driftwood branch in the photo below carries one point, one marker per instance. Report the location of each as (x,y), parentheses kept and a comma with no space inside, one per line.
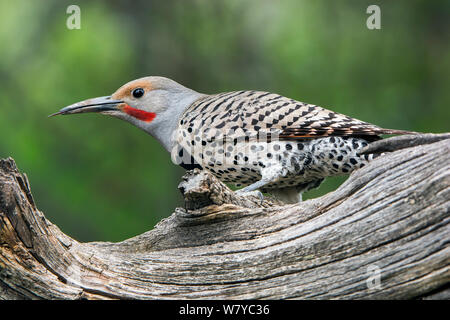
(383,234)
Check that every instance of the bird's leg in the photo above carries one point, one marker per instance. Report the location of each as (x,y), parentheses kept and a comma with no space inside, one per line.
(254,186)
(252,190)
(269,174)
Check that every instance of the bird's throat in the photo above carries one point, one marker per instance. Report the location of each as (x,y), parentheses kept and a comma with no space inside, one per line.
(139,114)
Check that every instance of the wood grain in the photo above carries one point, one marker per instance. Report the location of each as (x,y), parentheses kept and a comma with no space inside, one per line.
(390,218)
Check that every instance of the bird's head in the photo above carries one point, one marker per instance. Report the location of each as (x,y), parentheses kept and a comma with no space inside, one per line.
(153,104)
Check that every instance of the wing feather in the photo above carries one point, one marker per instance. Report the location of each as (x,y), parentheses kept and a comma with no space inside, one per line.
(268,113)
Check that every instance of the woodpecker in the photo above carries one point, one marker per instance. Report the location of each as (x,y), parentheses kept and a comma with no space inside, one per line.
(260,141)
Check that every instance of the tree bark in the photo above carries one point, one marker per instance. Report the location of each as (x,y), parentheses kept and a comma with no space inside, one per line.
(384,234)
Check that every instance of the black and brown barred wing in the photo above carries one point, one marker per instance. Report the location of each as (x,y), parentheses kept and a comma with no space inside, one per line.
(259,112)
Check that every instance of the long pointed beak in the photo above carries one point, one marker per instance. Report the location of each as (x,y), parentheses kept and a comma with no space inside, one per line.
(91,105)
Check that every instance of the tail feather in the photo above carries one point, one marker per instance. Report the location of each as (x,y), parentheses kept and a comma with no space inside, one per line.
(401,142)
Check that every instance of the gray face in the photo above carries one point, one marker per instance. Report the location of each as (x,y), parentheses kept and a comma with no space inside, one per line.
(153,104)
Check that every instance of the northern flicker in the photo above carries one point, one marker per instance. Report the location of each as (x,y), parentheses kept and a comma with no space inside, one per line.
(257,140)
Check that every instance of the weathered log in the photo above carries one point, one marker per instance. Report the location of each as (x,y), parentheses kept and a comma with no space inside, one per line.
(384,234)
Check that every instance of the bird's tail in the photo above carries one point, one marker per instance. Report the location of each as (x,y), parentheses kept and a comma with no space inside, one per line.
(407,139)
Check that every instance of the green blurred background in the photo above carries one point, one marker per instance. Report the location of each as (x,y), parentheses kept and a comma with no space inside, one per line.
(98,178)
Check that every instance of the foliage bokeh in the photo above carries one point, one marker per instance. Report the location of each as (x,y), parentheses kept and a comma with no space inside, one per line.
(102,179)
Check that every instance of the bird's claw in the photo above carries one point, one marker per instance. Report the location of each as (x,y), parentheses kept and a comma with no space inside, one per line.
(255,193)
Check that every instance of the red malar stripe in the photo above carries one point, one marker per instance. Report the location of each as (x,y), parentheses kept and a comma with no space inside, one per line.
(139,114)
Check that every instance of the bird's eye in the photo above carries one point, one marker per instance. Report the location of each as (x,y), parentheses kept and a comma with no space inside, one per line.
(138,92)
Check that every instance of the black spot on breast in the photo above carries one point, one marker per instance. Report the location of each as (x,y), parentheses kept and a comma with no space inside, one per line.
(190,166)
(308,161)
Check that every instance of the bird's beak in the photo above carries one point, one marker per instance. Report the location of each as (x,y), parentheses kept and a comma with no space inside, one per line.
(100,104)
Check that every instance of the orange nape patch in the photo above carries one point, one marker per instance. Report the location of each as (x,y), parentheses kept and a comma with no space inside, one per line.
(139,114)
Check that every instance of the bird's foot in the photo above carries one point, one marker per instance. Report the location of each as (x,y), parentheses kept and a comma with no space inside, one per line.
(255,193)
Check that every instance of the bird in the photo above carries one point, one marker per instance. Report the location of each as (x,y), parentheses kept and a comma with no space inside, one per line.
(259,141)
